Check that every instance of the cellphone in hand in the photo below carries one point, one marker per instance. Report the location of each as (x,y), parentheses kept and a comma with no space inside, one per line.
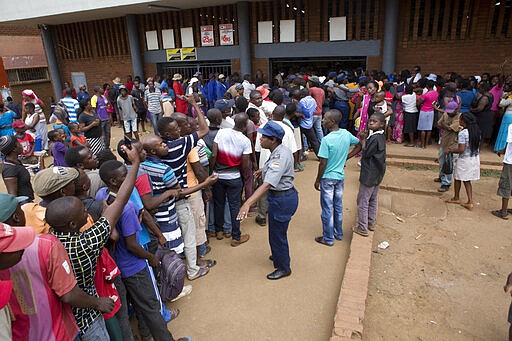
(128,142)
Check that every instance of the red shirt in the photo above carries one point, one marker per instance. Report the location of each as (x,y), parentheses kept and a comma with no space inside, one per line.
(26,142)
(319,96)
(106,271)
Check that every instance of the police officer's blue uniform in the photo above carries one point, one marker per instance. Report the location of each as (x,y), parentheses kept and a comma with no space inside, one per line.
(283,201)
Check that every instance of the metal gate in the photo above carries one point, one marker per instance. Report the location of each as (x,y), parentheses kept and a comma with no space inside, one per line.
(188,69)
(320,65)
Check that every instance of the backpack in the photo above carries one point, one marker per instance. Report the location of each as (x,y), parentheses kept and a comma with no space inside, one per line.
(171,275)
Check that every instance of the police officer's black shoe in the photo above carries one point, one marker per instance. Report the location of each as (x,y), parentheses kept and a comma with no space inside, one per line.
(277,274)
(261,221)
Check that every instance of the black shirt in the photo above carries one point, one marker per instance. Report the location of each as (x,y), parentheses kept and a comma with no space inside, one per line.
(88,119)
(22,176)
(373,160)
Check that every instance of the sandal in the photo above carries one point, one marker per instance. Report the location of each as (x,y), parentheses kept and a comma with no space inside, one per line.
(209,263)
(452,201)
(500,214)
(467,206)
(174,313)
(202,272)
(360,232)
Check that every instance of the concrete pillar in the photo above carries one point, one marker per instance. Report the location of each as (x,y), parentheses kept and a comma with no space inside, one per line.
(51,57)
(390,36)
(244,39)
(133,39)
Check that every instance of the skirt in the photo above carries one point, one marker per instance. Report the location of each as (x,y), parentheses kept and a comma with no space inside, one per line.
(485,122)
(467,168)
(501,139)
(426,120)
(96,144)
(410,122)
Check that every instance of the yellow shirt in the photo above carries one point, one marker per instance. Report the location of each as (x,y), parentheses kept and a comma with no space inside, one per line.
(94,100)
(34,216)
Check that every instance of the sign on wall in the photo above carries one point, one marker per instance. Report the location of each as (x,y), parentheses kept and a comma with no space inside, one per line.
(226,34)
(188,53)
(337,28)
(173,54)
(207,38)
(264,32)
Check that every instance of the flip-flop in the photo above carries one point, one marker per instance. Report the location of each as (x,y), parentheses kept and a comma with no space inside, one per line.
(500,214)
(360,232)
(467,206)
(452,201)
(202,272)
(210,263)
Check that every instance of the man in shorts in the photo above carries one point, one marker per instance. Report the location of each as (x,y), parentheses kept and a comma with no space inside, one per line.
(128,112)
(505,184)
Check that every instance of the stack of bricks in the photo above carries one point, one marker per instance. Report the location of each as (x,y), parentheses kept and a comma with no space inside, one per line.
(348,321)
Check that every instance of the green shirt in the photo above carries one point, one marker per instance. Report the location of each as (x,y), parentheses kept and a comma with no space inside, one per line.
(334,148)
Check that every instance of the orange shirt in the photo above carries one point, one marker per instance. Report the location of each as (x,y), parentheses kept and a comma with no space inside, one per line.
(34,216)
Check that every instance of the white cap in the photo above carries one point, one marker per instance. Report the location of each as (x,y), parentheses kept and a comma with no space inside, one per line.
(222,76)
(194,80)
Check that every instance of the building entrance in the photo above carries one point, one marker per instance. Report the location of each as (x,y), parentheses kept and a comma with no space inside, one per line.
(188,69)
(321,66)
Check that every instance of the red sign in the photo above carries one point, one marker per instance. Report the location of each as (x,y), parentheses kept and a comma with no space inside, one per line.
(207,38)
(226,34)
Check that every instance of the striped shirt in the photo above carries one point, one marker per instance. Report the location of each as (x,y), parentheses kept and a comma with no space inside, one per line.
(162,178)
(72,106)
(177,157)
(84,249)
(153,99)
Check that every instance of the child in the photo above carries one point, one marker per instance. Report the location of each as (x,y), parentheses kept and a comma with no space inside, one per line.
(58,148)
(77,138)
(373,167)
(333,153)
(27,142)
(505,184)
(467,167)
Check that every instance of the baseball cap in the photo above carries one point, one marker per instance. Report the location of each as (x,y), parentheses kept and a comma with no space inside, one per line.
(432,77)
(14,239)
(272,129)
(193,80)
(122,87)
(239,87)
(5,292)
(264,91)
(197,74)
(221,76)
(9,203)
(224,104)
(332,74)
(18,124)
(52,179)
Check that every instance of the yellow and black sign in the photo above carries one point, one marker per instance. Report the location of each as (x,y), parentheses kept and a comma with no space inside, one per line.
(173,54)
(188,53)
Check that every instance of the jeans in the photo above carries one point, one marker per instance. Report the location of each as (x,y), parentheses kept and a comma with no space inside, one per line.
(331,196)
(344,108)
(280,212)
(105,131)
(317,126)
(446,179)
(154,120)
(211,217)
(188,232)
(145,302)
(96,331)
(367,203)
(312,140)
(232,189)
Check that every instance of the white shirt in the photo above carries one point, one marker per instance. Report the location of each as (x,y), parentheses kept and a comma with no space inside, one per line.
(409,103)
(507,158)
(248,87)
(268,107)
(227,122)
(288,141)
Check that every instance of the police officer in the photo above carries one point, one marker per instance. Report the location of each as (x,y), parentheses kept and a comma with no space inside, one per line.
(283,199)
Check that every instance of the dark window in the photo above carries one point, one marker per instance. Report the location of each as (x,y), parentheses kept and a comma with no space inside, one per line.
(28,75)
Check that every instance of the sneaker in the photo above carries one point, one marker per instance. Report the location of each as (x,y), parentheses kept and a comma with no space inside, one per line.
(187,289)
(243,239)
(371,227)
(443,188)
(261,221)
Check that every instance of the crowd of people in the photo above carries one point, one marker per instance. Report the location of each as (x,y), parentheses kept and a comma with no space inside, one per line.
(98,235)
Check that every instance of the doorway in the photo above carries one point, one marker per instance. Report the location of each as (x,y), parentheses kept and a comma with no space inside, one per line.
(321,66)
(188,69)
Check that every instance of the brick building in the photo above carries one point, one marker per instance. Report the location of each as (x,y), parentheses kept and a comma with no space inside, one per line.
(24,61)
(95,44)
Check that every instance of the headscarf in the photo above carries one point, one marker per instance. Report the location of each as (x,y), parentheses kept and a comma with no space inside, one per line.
(7,144)
(29,93)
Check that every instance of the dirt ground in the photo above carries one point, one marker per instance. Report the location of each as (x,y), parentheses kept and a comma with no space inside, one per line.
(442,277)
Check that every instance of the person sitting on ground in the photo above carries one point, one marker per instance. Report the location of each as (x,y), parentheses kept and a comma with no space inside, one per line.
(129,254)
(163,178)
(47,272)
(16,177)
(333,153)
(59,147)
(467,167)
(373,167)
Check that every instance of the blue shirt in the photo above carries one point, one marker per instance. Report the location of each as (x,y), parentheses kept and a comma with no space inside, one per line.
(466,97)
(307,107)
(162,178)
(334,148)
(127,225)
(72,106)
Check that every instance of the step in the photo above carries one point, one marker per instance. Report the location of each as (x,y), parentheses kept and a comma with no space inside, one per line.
(430,164)
(434,158)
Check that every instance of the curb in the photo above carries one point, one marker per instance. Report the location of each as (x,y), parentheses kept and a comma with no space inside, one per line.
(349,317)
(410,190)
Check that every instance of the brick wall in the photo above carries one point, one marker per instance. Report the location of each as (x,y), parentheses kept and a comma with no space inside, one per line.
(43,90)
(12,30)
(261,64)
(235,66)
